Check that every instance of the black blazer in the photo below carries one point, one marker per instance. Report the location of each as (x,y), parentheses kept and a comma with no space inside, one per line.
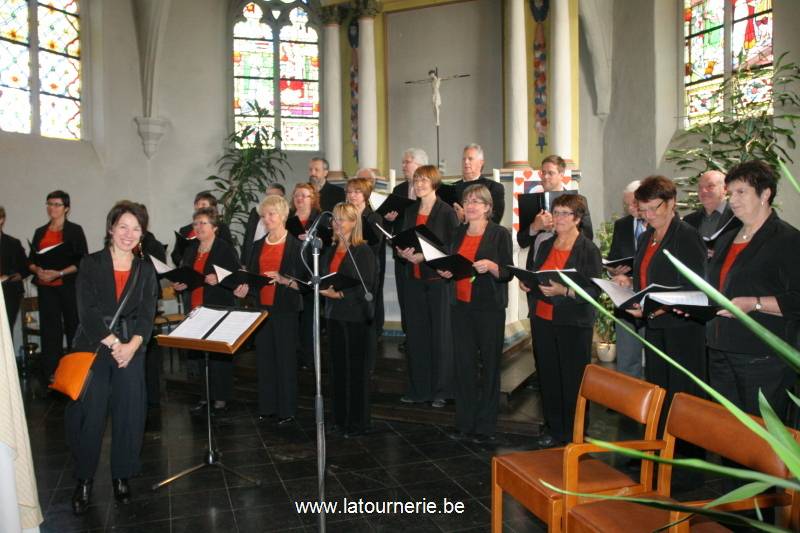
(13,261)
(286,300)
(442,221)
(585,258)
(221,254)
(398,224)
(330,195)
(152,246)
(488,292)
(370,218)
(74,243)
(246,250)
(684,243)
(768,266)
(623,243)
(525,239)
(223,232)
(695,218)
(354,307)
(97,301)
(497,191)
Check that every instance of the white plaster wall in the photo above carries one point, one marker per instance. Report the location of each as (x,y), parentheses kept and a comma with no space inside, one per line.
(459,38)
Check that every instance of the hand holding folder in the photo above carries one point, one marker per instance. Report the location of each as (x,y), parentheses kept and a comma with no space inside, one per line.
(393,202)
(410,238)
(458,265)
(231,280)
(186,275)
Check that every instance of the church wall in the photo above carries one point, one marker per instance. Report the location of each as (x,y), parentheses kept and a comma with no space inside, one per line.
(472,108)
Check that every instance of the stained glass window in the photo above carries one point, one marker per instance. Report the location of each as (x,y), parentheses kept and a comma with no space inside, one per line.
(276,64)
(723,37)
(40,67)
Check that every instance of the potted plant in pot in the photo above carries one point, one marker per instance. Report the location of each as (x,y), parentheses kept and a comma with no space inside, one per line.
(251,162)
(604,327)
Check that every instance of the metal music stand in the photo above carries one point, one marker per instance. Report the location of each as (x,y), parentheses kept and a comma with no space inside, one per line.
(212,455)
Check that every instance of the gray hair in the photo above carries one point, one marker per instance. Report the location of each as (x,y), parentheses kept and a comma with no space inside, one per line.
(632,186)
(418,155)
(370,172)
(477,147)
(325,164)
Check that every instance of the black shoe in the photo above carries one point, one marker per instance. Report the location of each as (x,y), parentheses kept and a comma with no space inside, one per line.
(262,418)
(122,491)
(484,439)
(459,435)
(547,441)
(199,408)
(284,421)
(82,496)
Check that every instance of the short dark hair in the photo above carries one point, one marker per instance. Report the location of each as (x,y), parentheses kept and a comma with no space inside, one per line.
(653,187)
(210,212)
(325,163)
(119,209)
(277,186)
(556,160)
(59,195)
(574,202)
(206,195)
(756,173)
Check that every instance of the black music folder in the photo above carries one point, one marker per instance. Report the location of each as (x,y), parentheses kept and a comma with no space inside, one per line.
(409,238)
(184,274)
(51,258)
(394,202)
(544,277)
(231,280)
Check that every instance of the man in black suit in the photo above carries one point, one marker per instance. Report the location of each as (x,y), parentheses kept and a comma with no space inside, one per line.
(13,269)
(715,212)
(329,195)
(623,244)
(471,166)
(413,158)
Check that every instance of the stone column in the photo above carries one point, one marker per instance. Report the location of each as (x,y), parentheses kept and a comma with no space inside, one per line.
(516,86)
(332,91)
(560,91)
(367,89)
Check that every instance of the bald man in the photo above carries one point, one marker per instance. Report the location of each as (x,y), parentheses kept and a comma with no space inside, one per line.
(715,211)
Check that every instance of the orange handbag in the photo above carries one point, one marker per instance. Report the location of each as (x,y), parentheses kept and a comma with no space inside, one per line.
(74,370)
(73,373)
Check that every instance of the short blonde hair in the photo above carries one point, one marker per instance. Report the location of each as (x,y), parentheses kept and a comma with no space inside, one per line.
(278,203)
(481,193)
(362,185)
(348,211)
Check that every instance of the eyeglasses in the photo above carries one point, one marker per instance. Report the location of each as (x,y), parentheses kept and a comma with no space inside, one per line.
(55,204)
(651,210)
(563,214)
(198,223)
(474,201)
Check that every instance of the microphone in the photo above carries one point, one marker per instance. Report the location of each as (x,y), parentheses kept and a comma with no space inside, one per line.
(367,294)
(311,234)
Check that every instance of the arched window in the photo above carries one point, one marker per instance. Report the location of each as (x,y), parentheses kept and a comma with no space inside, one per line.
(40,67)
(276,59)
(723,37)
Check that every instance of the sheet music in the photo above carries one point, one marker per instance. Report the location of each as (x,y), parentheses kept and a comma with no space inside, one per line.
(388,235)
(234,325)
(546,197)
(45,250)
(429,251)
(221,273)
(680,298)
(619,295)
(376,199)
(197,324)
(160,266)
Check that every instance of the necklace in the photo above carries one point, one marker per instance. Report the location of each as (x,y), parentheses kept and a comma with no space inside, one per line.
(279,240)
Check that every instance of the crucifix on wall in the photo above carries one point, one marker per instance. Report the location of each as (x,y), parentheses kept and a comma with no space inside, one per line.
(436,98)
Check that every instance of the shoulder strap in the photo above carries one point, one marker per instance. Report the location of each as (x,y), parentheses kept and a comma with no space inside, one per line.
(125,299)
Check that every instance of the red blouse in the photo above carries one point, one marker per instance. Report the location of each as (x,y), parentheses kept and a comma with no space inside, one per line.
(336,260)
(51,238)
(730,259)
(556,260)
(649,252)
(120,280)
(469,249)
(270,261)
(421,221)
(199,266)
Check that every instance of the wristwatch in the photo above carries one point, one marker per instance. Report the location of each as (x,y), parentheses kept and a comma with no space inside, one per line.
(758,306)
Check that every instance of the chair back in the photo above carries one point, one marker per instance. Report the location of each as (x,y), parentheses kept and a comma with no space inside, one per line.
(631,397)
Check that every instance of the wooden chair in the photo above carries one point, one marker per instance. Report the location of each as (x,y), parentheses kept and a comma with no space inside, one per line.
(519,474)
(709,426)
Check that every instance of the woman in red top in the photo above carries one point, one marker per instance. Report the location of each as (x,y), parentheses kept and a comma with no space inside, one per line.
(478,315)
(757,268)
(277,256)
(55,278)
(561,323)
(427,298)
(681,338)
(118,373)
(201,255)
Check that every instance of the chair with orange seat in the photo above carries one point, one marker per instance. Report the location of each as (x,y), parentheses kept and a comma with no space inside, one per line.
(519,474)
(709,426)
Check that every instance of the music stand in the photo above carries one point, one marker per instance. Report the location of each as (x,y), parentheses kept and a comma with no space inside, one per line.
(207,346)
